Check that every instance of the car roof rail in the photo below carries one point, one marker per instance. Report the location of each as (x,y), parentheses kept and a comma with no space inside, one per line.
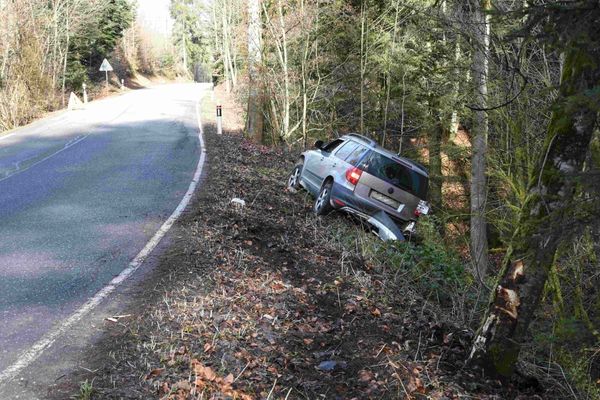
(361,137)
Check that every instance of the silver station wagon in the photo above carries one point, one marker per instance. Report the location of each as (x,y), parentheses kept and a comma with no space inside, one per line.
(356,175)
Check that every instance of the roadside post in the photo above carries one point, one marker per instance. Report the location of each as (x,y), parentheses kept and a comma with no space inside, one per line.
(85,98)
(219,120)
(106,67)
(122,84)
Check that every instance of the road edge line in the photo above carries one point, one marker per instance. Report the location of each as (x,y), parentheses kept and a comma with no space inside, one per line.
(29,356)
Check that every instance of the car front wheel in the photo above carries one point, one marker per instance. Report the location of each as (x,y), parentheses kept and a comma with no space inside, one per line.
(294,179)
(323,202)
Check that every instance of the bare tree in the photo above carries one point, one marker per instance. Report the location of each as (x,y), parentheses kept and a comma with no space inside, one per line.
(254,122)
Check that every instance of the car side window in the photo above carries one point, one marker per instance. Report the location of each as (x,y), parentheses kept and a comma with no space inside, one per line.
(356,155)
(333,145)
(345,150)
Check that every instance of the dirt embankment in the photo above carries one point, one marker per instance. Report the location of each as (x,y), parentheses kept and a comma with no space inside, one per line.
(269,301)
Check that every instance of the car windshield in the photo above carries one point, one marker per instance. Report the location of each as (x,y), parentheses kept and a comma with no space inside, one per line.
(396,174)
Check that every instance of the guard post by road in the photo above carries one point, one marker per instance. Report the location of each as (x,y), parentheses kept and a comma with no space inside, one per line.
(219,120)
(85,98)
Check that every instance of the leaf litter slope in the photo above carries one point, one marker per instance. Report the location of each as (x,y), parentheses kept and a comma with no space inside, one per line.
(268,301)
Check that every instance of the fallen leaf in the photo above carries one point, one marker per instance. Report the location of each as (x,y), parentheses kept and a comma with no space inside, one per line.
(165,388)
(376,312)
(183,384)
(278,287)
(209,374)
(447,338)
(365,376)
(415,385)
(308,341)
(229,379)
(199,383)
(154,373)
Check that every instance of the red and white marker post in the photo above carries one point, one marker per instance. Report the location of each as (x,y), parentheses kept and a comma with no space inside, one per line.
(219,120)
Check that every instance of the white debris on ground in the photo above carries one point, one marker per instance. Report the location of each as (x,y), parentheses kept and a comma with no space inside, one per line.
(238,202)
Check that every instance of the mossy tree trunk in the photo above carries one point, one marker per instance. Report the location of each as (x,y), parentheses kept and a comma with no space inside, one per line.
(547,213)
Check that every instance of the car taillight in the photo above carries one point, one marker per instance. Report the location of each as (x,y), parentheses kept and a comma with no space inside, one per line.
(422,208)
(353,175)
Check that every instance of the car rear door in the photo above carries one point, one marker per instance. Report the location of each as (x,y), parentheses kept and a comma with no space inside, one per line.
(388,184)
(315,166)
(336,165)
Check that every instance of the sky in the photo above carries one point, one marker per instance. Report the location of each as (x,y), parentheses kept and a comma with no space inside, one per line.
(154,15)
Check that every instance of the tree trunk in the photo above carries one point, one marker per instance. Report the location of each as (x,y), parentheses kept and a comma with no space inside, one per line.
(388,74)
(254,122)
(304,91)
(454,121)
(544,220)
(435,166)
(402,101)
(363,63)
(231,47)
(225,48)
(479,243)
(595,233)
(64,72)
(286,76)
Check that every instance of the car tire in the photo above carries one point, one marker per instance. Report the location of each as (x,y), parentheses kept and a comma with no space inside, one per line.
(294,178)
(323,202)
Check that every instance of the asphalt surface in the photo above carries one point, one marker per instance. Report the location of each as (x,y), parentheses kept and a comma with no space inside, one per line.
(81,193)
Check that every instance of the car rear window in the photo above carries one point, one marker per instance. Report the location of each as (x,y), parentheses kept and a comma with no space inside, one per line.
(396,174)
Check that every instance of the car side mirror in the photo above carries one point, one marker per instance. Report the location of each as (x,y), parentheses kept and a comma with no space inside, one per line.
(319,144)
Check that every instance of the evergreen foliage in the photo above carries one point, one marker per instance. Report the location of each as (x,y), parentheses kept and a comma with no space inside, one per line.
(97,39)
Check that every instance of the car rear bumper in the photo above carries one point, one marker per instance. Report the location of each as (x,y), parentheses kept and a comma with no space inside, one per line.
(385,226)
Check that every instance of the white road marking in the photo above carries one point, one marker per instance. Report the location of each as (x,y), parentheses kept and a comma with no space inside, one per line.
(7,136)
(54,122)
(49,338)
(68,145)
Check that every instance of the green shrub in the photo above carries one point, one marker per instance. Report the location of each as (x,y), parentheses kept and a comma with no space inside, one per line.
(76,75)
(429,267)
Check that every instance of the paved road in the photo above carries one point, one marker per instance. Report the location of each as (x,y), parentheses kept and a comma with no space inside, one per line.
(80,195)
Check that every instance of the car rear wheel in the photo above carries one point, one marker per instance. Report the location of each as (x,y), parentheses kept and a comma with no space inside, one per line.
(323,202)
(294,179)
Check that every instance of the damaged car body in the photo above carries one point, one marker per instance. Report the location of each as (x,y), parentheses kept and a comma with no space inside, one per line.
(356,175)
